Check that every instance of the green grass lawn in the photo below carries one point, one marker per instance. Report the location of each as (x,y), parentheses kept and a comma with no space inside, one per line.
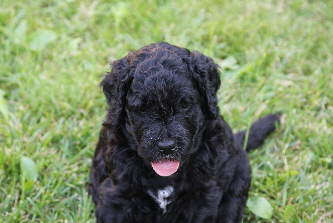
(275,55)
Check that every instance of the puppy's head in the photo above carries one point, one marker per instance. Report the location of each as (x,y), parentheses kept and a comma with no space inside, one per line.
(161,96)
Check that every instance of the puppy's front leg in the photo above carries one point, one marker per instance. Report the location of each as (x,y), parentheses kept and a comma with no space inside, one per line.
(122,204)
(234,198)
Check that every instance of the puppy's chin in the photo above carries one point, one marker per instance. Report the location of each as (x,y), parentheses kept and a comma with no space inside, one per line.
(165,168)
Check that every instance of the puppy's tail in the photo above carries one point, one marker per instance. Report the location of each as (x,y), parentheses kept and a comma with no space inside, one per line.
(259,130)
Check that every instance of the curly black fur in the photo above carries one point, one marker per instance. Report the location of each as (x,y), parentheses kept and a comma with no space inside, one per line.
(163,106)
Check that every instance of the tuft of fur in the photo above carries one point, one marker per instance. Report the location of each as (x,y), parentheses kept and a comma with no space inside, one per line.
(163,107)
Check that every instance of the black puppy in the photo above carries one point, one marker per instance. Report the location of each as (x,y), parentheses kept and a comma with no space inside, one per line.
(165,154)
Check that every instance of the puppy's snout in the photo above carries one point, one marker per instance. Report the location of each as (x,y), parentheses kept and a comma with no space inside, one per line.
(166,146)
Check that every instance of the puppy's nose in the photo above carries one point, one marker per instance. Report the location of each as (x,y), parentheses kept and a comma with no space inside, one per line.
(166,146)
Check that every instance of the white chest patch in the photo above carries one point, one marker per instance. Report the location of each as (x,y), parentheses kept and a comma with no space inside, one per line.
(162,197)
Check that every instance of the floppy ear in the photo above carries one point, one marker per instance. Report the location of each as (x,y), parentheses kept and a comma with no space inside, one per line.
(115,85)
(207,78)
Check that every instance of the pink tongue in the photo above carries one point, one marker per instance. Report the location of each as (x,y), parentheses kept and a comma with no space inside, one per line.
(165,168)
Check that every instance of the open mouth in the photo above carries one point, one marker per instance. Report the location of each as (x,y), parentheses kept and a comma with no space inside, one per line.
(165,168)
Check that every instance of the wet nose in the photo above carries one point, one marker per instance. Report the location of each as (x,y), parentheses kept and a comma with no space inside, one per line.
(166,146)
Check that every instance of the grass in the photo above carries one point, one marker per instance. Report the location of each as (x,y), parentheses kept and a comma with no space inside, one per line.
(274,56)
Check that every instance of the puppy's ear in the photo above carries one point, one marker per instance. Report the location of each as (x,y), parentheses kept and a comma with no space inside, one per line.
(207,78)
(115,85)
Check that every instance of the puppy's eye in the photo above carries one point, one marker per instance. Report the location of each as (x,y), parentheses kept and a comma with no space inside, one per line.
(184,104)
